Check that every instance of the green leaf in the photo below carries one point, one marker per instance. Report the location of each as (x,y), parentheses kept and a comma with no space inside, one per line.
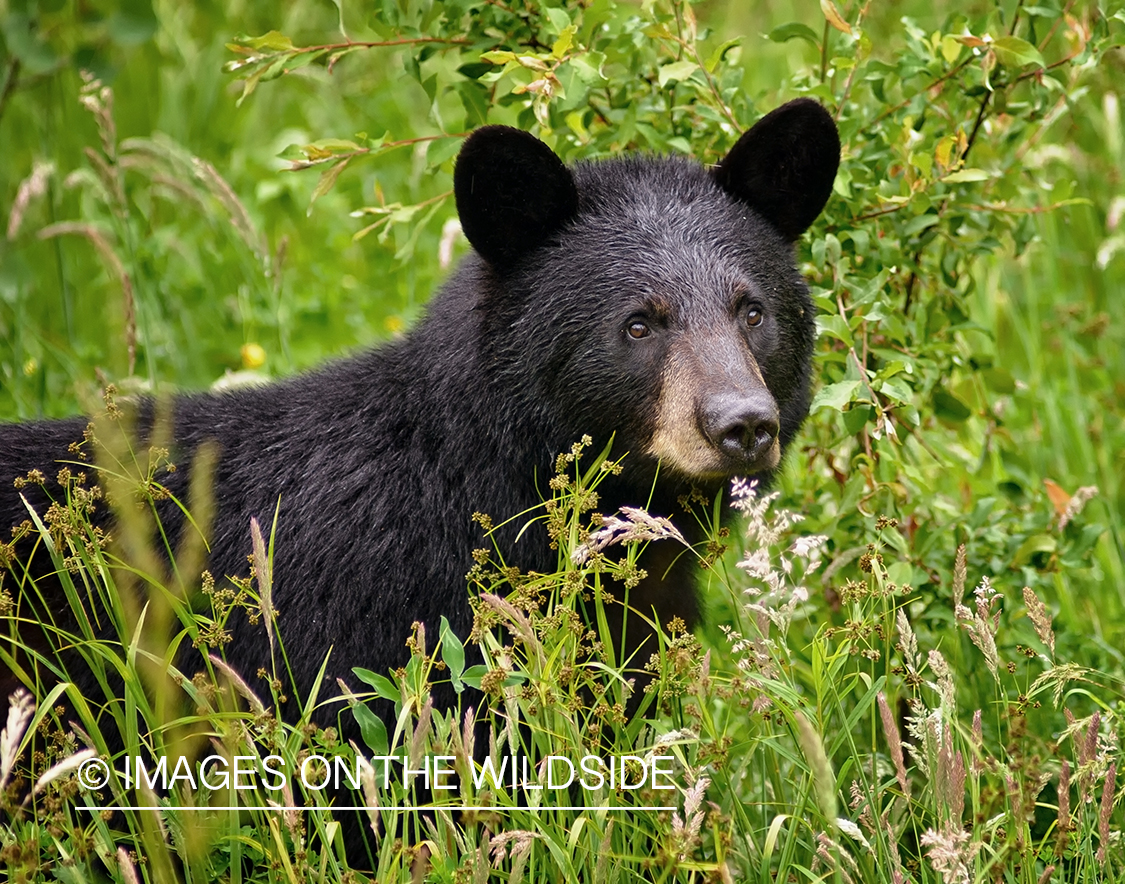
(795,31)
(835,396)
(920,223)
(498,56)
(900,573)
(717,56)
(293,152)
(949,407)
(475,99)
(302,59)
(1037,543)
(1000,380)
(133,24)
(473,675)
(963,175)
(855,419)
(327,179)
(25,42)
(474,70)
(565,41)
(265,71)
(384,687)
(334,145)
(586,71)
(273,40)
(371,728)
(559,19)
(896,390)
(1014,52)
(895,366)
(950,48)
(339,4)
(452,653)
(676,70)
(834,326)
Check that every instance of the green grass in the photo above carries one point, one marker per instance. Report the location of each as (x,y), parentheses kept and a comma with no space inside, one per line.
(1013,317)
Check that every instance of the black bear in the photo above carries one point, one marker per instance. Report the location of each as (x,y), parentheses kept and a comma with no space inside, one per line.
(648,298)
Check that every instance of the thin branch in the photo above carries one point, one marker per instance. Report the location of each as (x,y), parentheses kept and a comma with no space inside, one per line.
(1019,210)
(977,124)
(300,165)
(711,85)
(376,44)
(1015,18)
(878,213)
(855,68)
(1055,25)
(824,52)
(956,69)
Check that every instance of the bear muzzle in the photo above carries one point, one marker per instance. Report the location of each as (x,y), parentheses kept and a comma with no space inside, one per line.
(717,433)
(743,427)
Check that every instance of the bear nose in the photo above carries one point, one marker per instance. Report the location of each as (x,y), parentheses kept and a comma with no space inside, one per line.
(742,426)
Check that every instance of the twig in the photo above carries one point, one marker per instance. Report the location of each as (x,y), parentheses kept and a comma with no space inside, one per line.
(300,165)
(376,44)
(855,68)
(824,52)
(1054,27)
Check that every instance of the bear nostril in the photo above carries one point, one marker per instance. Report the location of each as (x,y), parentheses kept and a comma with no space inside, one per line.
(762,439)
(742,427)
(735,438)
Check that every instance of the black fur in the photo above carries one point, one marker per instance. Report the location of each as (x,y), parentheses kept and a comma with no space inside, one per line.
(380,460)
(785,165)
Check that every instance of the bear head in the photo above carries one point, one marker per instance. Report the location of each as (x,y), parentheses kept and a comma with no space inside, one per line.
(655,299)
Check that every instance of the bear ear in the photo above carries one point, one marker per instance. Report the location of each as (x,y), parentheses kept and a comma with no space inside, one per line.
(785,165)
(512,193)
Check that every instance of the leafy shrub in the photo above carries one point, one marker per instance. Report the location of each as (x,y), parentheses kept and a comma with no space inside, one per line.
(866,719)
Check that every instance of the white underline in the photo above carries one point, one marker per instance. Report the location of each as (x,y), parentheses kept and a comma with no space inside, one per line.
(459,807)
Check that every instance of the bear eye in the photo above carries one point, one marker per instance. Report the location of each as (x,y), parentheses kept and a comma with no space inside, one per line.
(754,317)
(637,329)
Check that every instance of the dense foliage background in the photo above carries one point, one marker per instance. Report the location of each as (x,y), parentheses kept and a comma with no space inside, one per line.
(195,193)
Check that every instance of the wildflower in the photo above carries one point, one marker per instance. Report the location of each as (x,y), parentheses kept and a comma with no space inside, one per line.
(852,831)
(418,743)
(128,870)
(983,623)
(20,709)
(32,187)
(634,525)
(951,854)
(520,841)
(672,738)
(1064,825)
(263,571)
(960,571)
(68,764)
(1040,618)
(833,855)
(950,784)
(894,743)
(908,644)
(944,685)
(978,743)
(1106,809)
(1074,506)
(775,602)
(686,834)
